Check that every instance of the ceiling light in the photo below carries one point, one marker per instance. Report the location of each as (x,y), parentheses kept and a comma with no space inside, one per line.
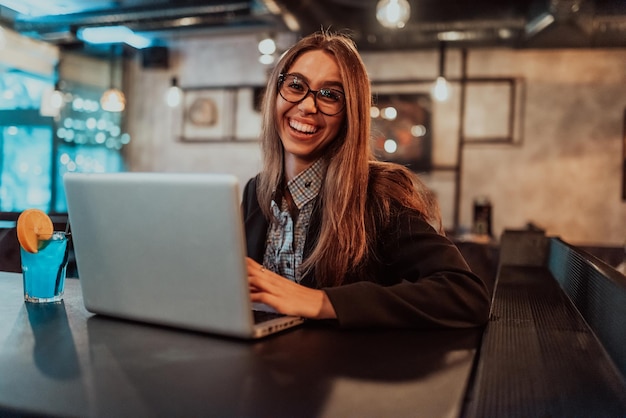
(112,35)
(113,100)
(539,23)
(441,90)
(267,46)
(267,59)
(291,22)
(393,13)
(505,33)
(39,8)
(451,36)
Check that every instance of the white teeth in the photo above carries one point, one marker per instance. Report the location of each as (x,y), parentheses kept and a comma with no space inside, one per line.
(302,127)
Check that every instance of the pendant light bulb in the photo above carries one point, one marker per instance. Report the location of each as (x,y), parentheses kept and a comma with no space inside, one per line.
(113,100)
(174,94)
(393,13)
(267,46)
(441,89)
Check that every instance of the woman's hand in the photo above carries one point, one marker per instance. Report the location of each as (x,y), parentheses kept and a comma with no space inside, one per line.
(285,296)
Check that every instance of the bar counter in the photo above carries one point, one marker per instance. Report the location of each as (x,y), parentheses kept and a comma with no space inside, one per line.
(60,360)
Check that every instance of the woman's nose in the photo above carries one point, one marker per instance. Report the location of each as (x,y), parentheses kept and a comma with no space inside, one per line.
(308,104)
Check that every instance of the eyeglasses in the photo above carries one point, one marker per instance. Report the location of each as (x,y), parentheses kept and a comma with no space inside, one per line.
(294,89)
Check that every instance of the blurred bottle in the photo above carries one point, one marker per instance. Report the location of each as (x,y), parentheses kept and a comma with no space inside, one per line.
(482,216)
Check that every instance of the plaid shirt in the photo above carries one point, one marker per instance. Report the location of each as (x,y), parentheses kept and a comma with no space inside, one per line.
(285,238)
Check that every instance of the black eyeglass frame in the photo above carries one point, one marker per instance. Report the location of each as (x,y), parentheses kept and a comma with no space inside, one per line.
(283,76)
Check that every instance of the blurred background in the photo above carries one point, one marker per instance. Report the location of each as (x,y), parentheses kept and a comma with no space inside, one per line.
(513,112)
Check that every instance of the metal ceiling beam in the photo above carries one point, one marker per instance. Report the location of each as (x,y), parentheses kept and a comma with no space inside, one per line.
(519,24)
(129,15)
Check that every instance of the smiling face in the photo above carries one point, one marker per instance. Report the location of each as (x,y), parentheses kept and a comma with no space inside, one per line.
(305,132)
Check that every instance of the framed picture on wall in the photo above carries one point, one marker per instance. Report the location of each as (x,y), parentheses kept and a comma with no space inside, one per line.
(208,114)
(492,107)
(402,130)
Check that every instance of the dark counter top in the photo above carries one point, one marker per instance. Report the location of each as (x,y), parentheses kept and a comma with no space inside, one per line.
(61,360)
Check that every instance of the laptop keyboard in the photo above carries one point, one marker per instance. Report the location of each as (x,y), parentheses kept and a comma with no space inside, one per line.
(263,316)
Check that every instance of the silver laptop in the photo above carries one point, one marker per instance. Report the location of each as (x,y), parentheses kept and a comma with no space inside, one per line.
(167,249)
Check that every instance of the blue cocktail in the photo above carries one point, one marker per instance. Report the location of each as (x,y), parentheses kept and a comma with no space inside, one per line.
(44,271)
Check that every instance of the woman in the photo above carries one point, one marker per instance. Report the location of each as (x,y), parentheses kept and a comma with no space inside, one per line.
(331,232)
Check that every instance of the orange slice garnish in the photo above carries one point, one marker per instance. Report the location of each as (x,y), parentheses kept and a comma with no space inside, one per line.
(32,226)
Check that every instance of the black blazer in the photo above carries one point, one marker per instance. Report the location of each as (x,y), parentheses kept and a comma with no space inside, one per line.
(417,278)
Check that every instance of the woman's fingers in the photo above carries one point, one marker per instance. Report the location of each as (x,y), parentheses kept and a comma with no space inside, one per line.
(285,295)
(280,293)
(261,279)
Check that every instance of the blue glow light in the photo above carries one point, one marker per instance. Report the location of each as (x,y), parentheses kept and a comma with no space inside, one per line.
(37,8)
(113,34)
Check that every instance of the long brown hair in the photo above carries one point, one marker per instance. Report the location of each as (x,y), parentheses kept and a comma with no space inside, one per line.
(357,190)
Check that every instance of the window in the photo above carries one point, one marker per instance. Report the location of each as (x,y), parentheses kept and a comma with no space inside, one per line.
(37,150)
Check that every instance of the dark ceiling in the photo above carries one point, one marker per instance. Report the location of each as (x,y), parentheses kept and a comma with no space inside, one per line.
(477,23)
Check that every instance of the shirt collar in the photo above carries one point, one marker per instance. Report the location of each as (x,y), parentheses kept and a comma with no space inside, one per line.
(306,185)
